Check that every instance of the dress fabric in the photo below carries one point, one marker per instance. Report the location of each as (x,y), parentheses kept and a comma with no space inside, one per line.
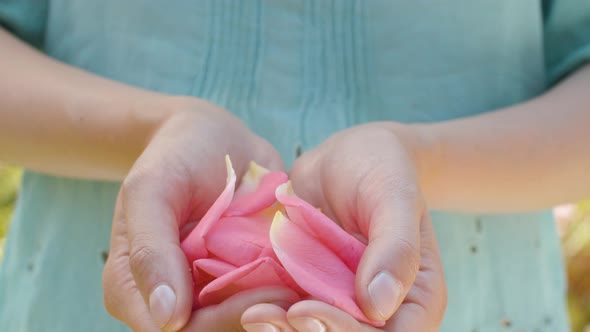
(297,71)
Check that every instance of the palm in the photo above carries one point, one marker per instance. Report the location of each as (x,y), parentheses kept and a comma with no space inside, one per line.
(365,180)
(174,181)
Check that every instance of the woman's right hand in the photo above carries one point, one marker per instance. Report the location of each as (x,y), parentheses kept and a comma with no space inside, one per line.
(147,281)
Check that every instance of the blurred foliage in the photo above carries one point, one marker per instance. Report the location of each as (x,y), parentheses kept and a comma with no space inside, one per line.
(9,180)
(576,248)
(575,232)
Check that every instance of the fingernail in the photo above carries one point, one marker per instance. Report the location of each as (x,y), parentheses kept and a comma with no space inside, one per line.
(162,304)
(261,327)
(385,293)
(309,324)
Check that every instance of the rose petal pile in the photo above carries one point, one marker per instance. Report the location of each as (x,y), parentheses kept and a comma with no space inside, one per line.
(264,235)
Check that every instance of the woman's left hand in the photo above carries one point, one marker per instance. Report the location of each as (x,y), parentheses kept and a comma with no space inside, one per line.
(367,179)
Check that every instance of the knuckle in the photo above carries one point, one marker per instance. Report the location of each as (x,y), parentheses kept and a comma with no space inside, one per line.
(407,191)
(387,185)
(298,171)
(409,255)
(144,174)
(380,134)
(141,258)
(398,187)
(142,179)
(131,183)
(302,170)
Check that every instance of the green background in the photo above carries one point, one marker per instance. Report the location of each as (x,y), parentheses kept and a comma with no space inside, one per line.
(9,180)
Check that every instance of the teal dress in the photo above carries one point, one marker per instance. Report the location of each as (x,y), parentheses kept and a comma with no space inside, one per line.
(297,71)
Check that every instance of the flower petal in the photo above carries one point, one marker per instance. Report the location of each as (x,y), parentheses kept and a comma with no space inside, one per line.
(262,272)
(213,267)
(193,245)
(201,279)
(315,267)
(256,191)
(348,248)
(197,292)
(240,240)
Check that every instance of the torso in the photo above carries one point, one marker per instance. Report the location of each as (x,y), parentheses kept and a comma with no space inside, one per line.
(295,72)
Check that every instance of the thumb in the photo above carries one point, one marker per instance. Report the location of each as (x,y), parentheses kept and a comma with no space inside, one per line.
(391,261)
(158,265)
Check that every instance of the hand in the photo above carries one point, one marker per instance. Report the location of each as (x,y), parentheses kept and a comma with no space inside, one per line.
(147,282)
(367,179)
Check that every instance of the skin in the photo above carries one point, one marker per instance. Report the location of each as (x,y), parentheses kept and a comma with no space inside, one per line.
(71,123)
(362,178)
(79,125)
(375,179)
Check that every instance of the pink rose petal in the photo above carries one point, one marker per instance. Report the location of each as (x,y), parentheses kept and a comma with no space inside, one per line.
(192,245)
(318,225)
(259,273)
(318,270)
(240,240)
(256,192)
(213,267)
(238,246)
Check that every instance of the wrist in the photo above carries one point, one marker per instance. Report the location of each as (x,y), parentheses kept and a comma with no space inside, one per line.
(181,111)
(125,124)
(146,114)
(426,151)
(151,113)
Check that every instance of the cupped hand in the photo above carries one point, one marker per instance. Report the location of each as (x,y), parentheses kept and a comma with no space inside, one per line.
(367,179)
(147,281)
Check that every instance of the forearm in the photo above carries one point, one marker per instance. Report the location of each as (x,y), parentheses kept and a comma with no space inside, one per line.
(61,120)
(529,156)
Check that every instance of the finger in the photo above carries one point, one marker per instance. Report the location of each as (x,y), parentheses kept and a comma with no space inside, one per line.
(412,317)
(307,183)
(316,316)
(267,156)
(425,305)
(391,261)
(121,297)
(124,302)
(266,318)
(305,178)
(226,316)
(158,265)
